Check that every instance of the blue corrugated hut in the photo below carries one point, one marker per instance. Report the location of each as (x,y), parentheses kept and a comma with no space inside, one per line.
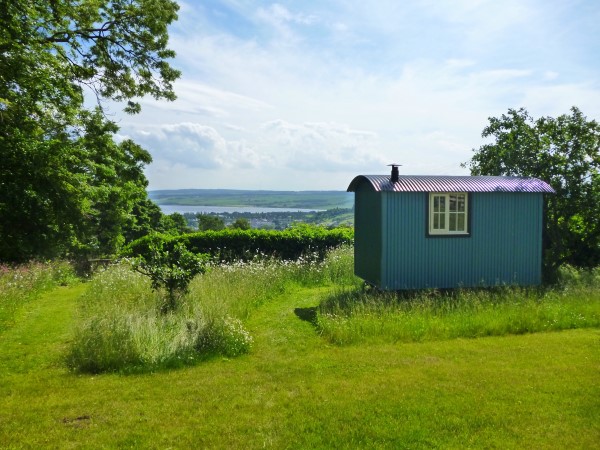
(417,232)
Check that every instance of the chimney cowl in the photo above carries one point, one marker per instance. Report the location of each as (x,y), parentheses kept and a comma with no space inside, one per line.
(395,173)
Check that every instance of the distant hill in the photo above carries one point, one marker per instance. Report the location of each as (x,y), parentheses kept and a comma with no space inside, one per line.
(265,199)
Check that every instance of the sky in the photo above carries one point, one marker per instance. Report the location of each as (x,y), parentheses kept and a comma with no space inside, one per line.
(307,95)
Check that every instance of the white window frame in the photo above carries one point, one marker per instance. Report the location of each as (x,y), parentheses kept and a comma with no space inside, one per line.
(440,215)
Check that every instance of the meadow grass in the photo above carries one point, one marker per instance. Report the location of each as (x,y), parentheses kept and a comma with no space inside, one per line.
(21,283)
(295,390)
(358,315)
(121,326)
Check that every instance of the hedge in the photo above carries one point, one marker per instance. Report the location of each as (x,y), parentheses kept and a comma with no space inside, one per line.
(234,245)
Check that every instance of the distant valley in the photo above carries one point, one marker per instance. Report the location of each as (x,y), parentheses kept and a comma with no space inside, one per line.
(317,200)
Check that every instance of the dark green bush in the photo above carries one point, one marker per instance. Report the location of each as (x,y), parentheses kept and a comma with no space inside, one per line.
(234,244)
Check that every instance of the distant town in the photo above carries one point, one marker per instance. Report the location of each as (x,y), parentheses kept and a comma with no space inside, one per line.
(275,210)
(281,220)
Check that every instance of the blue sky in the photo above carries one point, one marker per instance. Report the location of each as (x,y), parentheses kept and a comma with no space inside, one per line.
(307,95)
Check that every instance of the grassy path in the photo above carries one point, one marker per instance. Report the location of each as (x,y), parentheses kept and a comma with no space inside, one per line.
(296,391)
(31,344)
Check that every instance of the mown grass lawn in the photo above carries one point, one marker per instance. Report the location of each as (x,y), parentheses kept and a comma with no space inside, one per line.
(294,390)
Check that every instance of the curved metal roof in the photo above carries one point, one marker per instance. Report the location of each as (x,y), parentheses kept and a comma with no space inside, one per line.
(443,183)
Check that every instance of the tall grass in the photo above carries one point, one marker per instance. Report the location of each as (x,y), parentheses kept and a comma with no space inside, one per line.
(121,327)
(20,284)
(352,316)
(240,287)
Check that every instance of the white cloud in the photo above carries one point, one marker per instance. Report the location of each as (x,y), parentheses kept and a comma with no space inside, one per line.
(310,94)
(277,145)
(321,146)
(551,75)
(196,146)
(284,22)
(189,144)
(277,14)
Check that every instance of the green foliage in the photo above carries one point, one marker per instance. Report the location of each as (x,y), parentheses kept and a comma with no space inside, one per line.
(146,217)
(171,270)
(565,152)
(210,222)
(241,223)
(174,223)
(74,195)
(118,48)
(66,186)
(233,245)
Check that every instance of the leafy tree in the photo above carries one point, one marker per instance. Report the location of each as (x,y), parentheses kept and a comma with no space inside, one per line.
(210,222)
(241,223)
(65,184)
(171,270)
(174,223)
(50,49)
(145,218)
(563,151)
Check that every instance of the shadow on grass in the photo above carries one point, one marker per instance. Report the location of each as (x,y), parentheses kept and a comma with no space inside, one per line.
(143,368)
(307,314)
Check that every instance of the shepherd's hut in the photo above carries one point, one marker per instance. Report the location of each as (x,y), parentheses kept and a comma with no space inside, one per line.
(419,232)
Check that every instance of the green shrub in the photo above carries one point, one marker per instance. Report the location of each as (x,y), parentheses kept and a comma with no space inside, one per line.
(234,244)
(171,270)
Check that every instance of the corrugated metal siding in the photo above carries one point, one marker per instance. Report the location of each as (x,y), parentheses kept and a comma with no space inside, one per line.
(367,235)
(504,246)
(404,231)
(438,183)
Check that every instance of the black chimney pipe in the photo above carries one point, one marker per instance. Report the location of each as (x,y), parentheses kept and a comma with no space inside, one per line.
(395,173)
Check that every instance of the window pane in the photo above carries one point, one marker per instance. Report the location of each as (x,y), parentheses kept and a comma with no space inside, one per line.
(452,203)
(461,203)
(448,212)
(460,225)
